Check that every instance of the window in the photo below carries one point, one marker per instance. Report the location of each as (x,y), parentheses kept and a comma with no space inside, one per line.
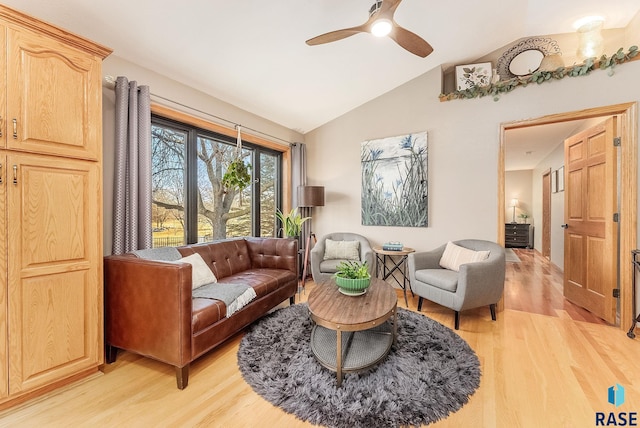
(191,200)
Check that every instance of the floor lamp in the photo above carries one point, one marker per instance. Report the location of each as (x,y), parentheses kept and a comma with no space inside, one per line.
(309,197)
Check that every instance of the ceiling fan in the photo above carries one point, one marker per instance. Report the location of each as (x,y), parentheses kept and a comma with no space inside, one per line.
(380,24)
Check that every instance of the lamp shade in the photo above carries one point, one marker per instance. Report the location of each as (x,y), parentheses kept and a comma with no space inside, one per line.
(310,196)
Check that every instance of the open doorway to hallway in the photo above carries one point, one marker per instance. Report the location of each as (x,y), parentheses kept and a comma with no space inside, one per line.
(516,148)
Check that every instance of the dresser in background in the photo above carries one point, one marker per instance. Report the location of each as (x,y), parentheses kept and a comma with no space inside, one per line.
(518,235)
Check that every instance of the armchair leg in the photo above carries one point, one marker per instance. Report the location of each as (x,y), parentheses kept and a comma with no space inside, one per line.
(182,376)
(419,304)
(457,322)
(492,308)
(292,300)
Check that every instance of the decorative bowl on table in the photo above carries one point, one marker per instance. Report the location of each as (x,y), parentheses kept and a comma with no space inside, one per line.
(352,277)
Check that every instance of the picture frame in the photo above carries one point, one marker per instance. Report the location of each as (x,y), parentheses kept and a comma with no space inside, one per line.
(554,181)
(560,179)
(471,75)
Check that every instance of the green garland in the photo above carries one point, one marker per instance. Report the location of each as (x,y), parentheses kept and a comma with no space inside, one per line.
(503,86)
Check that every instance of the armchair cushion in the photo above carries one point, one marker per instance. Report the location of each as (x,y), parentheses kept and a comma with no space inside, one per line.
(341,250)
(455,255)
(444,279)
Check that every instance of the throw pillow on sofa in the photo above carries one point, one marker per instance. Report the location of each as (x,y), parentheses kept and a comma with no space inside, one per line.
(341,250)
(200,272)
(455,255)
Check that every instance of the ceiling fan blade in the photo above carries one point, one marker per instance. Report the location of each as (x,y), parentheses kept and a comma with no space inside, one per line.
(333,36)
(388,8)
(410,41)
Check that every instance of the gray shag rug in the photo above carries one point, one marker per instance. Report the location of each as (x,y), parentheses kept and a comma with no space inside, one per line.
(429,373)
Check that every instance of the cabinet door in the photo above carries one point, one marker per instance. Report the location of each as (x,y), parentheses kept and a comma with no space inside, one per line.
(3,277)
(3,85)
(55,269)
(54,102)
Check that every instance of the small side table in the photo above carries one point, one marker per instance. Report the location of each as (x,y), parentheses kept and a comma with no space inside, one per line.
(398,262)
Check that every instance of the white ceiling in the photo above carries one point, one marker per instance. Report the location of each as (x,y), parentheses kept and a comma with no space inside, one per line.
(252,53)
(525,148)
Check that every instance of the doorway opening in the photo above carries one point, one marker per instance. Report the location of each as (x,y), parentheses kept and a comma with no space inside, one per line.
(628,165)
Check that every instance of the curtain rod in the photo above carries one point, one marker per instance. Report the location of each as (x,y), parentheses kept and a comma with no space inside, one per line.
(110,82)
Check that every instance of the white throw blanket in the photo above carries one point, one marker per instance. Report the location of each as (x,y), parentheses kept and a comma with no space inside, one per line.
(234,296)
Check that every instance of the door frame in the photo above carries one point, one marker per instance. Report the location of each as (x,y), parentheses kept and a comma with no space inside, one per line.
(546,217)
(628,131)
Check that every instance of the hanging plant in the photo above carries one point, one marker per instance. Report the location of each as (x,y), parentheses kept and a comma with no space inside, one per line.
(237,175)
(495,90)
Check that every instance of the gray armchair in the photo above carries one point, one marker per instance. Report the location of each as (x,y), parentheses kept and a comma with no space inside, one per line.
(476,284)
(322,269)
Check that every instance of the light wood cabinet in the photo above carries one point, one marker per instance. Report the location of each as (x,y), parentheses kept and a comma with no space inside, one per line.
(51,293)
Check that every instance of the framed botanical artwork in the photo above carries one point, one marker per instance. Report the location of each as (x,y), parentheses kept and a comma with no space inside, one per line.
(394,181)
(472,75)
(554,181)
(560,179)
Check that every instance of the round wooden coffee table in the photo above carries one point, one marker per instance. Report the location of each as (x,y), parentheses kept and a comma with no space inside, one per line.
(368,337)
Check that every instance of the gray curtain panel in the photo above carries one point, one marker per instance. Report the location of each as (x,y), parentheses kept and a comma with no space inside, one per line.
(299,178)
(132,187)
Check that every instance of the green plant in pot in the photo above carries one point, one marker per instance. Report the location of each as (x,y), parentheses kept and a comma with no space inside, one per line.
(352,277)
(291,222)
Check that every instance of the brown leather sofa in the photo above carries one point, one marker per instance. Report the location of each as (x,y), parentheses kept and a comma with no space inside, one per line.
(149,309)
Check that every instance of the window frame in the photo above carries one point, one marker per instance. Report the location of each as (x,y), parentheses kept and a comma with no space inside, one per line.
(196,127)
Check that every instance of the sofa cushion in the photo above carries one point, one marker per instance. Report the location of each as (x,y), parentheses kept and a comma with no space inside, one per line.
(341,250)
(455,255)
(444,279)
(200,272)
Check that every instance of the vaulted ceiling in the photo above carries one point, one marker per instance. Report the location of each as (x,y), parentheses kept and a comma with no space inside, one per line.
(252,53)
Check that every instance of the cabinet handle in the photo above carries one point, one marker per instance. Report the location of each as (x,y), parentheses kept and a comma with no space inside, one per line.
(15,129)
(0,173)
(0,126)
(15,174)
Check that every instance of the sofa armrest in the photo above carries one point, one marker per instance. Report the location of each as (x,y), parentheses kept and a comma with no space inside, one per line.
(148,308)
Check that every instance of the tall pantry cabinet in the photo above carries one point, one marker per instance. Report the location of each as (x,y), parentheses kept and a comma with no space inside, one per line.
(51,294)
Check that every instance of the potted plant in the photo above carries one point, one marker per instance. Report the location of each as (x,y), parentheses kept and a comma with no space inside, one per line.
(352,277)
(524,217)
(291,223)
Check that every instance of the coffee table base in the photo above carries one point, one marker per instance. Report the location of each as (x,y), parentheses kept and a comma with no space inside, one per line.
(359,349)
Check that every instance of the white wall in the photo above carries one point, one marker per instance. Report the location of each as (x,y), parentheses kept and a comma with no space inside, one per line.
(554,161)
(517,185)
(463,137)
(172,90)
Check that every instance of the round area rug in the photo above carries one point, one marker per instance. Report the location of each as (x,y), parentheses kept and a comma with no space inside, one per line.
(429,373)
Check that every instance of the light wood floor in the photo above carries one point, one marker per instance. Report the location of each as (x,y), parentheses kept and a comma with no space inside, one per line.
(543,365)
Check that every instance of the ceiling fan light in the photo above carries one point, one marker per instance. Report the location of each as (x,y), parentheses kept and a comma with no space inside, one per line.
(381,27)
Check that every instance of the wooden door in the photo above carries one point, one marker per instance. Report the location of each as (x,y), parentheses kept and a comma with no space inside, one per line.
(590,238)
(55,274)
(546,215)
(54,99)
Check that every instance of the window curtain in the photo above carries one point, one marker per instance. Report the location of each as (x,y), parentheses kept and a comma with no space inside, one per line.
(299,178)
(132,175)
